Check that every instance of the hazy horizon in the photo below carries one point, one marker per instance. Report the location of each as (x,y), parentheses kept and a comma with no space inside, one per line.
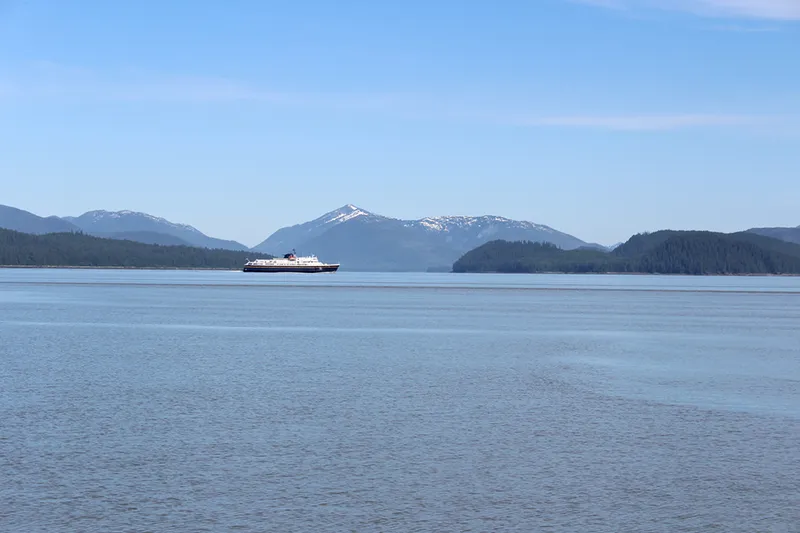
(598,119)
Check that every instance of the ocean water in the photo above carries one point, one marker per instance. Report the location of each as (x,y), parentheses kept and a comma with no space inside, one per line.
(135,401)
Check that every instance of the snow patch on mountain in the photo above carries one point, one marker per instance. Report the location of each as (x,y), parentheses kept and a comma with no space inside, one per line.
(125,222)
(441,239)
(445,224)
(99,215)
(344,214)
(451,223)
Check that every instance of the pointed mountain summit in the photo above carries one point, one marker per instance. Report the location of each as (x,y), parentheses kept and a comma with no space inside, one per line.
(361,240)
(293,236)
(139,226)
(343,214)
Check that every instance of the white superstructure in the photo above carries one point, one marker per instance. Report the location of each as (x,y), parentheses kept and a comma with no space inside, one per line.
(290,263)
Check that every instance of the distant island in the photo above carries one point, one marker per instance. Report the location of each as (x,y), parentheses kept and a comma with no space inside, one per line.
(661,252)
(80,250)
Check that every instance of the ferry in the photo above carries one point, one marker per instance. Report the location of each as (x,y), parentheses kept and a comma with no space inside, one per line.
(290,263)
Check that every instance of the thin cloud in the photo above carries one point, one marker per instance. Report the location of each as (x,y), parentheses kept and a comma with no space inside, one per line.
(47,82)
(780,10)
(734,28)
(646,122)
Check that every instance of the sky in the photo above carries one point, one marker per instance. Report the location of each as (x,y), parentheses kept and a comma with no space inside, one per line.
(600,118)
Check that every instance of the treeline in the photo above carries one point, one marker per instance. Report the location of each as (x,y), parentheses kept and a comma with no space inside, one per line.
(78,249)
(663,252)
(526,256)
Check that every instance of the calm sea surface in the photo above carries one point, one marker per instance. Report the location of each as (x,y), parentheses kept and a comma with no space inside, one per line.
(134,401)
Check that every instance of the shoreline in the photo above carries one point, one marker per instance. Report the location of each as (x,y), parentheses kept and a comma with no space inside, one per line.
(219,269)
(765,274)
(81,267)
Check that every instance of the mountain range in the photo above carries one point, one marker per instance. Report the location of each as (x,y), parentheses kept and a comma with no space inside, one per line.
(361,240)
(135,226)
(352,236)
(125,225)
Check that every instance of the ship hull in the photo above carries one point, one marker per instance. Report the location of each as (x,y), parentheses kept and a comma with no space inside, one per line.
(304,269)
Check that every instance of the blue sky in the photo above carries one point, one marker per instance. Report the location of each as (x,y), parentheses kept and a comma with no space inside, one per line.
(601,118)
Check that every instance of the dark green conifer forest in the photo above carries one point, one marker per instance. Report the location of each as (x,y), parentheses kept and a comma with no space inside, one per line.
(77,249)
(663,252)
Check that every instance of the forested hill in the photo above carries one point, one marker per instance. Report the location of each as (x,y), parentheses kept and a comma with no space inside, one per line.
(662,252)
(77,249)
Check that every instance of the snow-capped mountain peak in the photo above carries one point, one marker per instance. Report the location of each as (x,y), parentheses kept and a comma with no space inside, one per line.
(110,223)
(98,216)
(446,223)
(450,236)
(291,236)
(343,214)
(458,222)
